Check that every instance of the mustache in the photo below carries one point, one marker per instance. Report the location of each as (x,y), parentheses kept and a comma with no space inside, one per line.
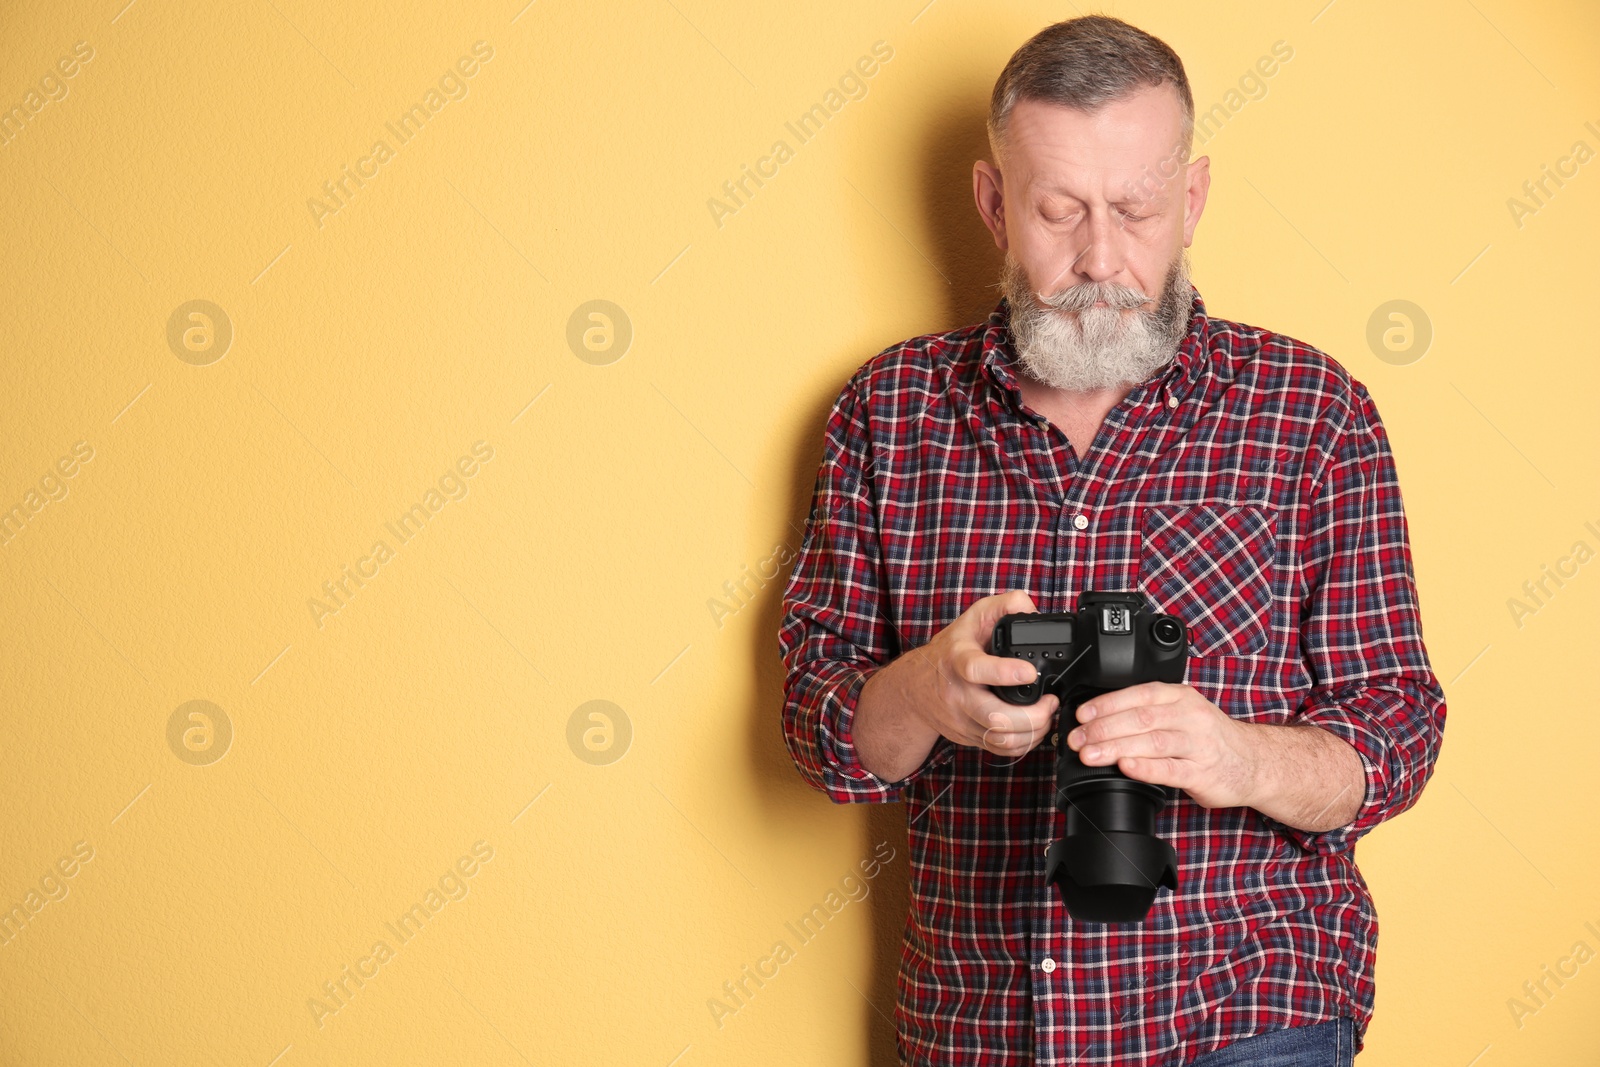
(1081,297)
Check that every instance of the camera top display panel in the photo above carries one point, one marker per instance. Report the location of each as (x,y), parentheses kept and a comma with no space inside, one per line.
(1042,632)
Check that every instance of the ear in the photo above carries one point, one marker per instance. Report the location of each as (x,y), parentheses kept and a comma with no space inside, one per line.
(1197,185)
(989,191)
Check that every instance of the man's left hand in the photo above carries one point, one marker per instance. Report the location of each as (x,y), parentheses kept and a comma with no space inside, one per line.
(1168,734)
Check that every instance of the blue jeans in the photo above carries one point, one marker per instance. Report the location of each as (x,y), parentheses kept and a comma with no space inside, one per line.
(1330,1043)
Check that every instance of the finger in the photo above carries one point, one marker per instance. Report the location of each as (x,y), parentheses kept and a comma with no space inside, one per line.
(966,734)
(975,735)
(1013,737)
(1017,741)
(1125,723)
(1012,734)
(1165,744)
(974,665)
(1010,758)
(1132,696)
(1006,743)
(990,711)
(965,729)
(1177,773)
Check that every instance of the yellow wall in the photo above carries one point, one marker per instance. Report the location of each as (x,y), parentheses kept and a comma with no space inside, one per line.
(375,346)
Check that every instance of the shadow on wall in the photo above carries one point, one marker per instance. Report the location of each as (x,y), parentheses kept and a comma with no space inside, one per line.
(954,238)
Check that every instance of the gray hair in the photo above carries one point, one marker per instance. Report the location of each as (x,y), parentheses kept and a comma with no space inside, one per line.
(1084,63)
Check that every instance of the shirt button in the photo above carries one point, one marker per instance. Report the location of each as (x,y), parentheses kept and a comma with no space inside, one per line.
(1048,965)
(1055,739)
(1172,401)
(1080,522)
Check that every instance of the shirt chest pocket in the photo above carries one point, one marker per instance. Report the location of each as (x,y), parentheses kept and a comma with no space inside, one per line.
(1212,566)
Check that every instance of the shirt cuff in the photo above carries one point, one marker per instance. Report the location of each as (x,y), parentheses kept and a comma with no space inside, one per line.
(844,778)
(1372,745)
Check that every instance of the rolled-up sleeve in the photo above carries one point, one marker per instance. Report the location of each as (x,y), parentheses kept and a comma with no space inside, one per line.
(1361,630)
(836,631)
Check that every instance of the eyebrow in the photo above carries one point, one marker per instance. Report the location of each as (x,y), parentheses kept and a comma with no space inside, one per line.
(1160,199)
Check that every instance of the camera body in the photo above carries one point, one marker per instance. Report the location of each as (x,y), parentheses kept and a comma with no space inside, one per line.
(1110,864)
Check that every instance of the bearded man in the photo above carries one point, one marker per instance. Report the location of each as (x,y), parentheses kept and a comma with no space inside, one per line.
(1102,431)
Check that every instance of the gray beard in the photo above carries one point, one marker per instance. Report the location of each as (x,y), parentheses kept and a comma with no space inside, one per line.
(1067,343)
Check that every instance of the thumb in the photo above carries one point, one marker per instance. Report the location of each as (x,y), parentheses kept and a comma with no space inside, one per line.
(989,610)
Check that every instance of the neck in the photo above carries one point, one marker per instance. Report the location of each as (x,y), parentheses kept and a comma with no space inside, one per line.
(1085,399)
(1077,414)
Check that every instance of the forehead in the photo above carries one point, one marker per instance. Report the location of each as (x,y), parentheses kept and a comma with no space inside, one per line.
(1049,147)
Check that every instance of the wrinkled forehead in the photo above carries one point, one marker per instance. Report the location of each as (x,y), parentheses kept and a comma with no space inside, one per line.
(1133,143)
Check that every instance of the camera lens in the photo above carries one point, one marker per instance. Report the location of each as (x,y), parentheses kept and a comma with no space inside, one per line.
(1167,631)
(1110,864)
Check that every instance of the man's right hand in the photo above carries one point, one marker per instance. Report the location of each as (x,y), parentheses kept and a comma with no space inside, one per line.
(945,683)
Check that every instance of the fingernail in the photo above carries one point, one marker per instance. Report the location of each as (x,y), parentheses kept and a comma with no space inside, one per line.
(1092,752)
(1085,713)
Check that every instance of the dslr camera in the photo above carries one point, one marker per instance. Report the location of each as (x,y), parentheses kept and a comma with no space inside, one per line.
(1110,864)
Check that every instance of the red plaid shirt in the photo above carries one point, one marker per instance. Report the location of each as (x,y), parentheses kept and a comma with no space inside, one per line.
(1248,488)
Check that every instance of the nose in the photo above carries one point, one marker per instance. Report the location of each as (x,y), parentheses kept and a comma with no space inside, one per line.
(1101,258)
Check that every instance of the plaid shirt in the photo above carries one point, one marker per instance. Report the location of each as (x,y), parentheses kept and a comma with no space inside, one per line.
(1248,488)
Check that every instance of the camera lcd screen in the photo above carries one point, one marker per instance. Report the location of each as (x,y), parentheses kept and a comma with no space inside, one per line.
(1041,633)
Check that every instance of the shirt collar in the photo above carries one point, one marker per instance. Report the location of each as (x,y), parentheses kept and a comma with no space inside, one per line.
(999,357)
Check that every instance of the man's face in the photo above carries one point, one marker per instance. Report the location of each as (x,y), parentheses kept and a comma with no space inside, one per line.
(1094,211)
